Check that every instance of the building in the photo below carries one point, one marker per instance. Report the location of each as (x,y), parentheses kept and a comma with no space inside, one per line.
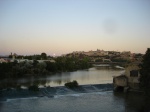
(3,60)
(133,75)
(130,79)
(120,81)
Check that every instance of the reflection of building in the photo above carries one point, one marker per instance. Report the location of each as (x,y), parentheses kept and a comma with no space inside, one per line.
(129,80)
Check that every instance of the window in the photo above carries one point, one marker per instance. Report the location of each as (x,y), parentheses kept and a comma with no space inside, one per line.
(134,73)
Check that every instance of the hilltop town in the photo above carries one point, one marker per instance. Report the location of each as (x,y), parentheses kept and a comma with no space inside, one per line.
(107,56)
(94,56)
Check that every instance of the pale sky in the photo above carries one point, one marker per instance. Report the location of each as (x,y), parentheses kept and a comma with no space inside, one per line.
(63,26)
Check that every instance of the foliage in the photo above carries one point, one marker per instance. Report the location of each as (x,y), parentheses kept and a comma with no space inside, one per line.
(72,84)
(145,73)
(36,57)
(35,62)
(98,60)
(5,70)
(43,56)
(33,57)
(120,60)
(33,88)
(51,67)
(29,69)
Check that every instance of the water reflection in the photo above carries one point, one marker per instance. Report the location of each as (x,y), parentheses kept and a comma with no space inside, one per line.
(95,75)
(134,102)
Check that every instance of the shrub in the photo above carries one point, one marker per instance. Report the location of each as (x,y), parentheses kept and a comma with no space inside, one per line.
(72,84)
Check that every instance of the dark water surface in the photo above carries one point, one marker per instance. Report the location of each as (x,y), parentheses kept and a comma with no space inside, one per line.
(83,102)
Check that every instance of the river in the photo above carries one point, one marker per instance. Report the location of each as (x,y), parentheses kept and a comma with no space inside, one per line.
(83,102)
(95,75)
(101,101)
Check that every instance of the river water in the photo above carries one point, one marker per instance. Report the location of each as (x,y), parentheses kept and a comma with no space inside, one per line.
(95,75)
(101,101)
(84,102)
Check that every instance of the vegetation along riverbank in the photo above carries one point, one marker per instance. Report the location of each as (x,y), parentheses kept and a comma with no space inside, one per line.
(45,67)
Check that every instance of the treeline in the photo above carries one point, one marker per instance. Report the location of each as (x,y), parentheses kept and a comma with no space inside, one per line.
(32,57)
(68,64)
(28,69)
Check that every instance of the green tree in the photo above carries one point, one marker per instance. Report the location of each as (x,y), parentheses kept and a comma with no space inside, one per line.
(35,62)
(51,67)
(145,73)
(43,55)
(72,84)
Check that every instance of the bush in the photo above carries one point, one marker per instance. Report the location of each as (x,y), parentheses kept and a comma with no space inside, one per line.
(33,88)
(72,84)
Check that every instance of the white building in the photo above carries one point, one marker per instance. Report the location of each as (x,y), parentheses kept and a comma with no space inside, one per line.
(130,79)
(3,60)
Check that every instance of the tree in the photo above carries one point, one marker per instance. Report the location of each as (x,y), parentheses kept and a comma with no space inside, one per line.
(72,84)
(35,62)
(43,55)
(145,73)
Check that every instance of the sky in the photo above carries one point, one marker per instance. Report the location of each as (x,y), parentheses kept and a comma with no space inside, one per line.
(63,26)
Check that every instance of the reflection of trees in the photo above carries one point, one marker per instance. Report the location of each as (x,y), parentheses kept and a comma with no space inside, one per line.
(61,78)
(58,81)
(38,81)
(8,84)
(43,81)
(134,101)
(26,82)
(35,81)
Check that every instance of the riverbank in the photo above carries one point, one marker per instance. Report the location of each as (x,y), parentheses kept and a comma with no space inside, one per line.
(51,92)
